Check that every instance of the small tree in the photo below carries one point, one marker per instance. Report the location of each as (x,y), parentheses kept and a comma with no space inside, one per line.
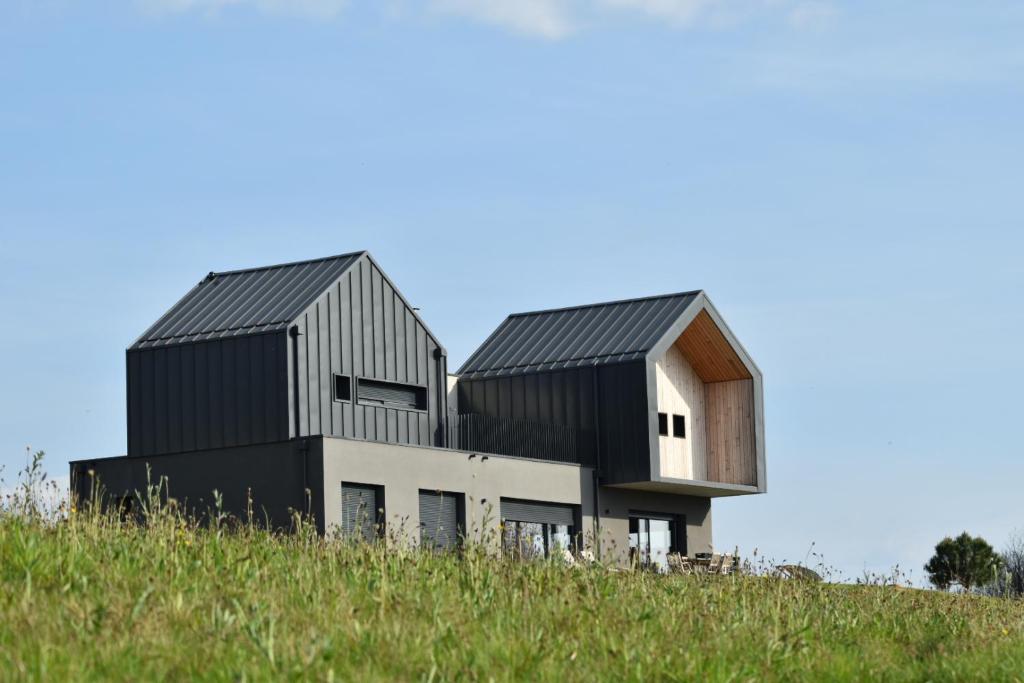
(966,561)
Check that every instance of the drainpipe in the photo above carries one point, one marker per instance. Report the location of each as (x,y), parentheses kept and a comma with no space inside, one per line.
(597,465)
(303,445)
(294,333)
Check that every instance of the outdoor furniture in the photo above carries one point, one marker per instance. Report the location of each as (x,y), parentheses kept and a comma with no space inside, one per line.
(726,567)
(679,564)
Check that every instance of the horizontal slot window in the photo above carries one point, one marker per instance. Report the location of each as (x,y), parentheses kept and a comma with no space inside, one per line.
(392,394)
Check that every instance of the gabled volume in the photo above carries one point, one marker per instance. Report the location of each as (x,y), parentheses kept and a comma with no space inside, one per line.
(362,333)
(266,354)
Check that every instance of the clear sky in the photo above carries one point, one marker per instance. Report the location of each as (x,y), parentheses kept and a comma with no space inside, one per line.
(846,180)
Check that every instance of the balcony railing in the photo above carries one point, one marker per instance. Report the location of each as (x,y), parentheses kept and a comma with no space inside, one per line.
(507,436)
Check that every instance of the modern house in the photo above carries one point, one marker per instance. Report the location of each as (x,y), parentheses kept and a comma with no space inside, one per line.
(316,387)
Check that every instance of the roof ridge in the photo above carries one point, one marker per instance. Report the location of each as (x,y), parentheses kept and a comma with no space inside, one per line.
(606,303)
(350,254)
(575,359)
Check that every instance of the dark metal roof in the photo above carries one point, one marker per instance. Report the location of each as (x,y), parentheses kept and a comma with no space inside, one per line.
(242,302)
(598,334)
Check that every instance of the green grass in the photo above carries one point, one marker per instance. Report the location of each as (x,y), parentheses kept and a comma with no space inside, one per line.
(91,598)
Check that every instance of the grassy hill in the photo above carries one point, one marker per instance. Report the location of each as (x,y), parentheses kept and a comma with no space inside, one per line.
(91,598)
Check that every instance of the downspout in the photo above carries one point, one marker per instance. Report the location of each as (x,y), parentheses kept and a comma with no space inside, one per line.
(294,333)
(303,445)
(597,465)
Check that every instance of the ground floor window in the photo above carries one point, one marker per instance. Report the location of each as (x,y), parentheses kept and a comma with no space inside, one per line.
(530,540)
(652,538)
(537,529)
(441,519)
(362,511)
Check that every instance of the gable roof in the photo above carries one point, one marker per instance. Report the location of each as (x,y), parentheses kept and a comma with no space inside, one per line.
(243,302)
(597,334)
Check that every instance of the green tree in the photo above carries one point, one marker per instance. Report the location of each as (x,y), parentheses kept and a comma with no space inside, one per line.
(966,561)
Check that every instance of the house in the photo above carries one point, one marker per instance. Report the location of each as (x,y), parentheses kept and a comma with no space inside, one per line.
(316,387)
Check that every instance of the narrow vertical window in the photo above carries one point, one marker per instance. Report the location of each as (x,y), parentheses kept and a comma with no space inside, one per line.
(679,426)
(342,388)
(663,424)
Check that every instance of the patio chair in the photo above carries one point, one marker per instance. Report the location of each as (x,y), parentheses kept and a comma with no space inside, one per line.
(679,564)
(726,567)
(716,563)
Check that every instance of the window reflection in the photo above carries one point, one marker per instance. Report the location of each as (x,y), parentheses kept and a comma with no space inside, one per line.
(651,541)
(529,540)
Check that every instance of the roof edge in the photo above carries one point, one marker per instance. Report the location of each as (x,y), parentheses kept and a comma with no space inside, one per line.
(218,273)
(672,295)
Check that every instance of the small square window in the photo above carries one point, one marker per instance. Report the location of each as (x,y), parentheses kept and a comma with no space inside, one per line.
(342,388)
(679,426)
(663,424)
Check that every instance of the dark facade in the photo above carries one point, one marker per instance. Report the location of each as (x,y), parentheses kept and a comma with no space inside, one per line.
(326,347)
(605,405)
(584,367)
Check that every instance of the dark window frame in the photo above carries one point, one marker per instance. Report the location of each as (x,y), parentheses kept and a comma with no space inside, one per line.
(662,424)
(421,391)
(679,426)
(342,382)
(678,542)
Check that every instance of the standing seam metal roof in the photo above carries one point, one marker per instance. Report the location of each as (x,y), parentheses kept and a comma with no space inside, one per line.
(596,334)
(242,302)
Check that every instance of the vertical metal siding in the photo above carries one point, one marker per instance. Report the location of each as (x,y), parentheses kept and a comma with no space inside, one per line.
(367,341)
(207,394)
(567,397)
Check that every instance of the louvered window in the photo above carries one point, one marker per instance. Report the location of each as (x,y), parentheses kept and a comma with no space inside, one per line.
(392,394)
(439,519)
(361,508)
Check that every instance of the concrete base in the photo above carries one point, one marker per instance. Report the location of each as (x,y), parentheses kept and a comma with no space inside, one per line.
(276,480)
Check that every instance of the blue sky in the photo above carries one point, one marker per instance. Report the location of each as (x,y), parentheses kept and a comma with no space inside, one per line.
(844,179)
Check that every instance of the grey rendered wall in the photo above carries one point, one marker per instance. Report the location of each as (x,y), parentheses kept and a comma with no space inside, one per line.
(618,504)
(362,327)
(276,475)
(210,394)
(404,470)
(616,402)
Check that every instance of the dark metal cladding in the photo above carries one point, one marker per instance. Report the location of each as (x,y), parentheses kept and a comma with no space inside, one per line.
(598,334)
(251,357)
(583,367)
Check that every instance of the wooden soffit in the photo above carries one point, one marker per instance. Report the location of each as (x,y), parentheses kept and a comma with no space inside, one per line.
(709,353)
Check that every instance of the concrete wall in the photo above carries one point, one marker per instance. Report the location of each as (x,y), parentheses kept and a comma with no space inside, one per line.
(617,504)
(404,470)
(279,474)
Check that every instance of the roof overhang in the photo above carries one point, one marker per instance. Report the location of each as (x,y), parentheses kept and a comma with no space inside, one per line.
(704,489)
